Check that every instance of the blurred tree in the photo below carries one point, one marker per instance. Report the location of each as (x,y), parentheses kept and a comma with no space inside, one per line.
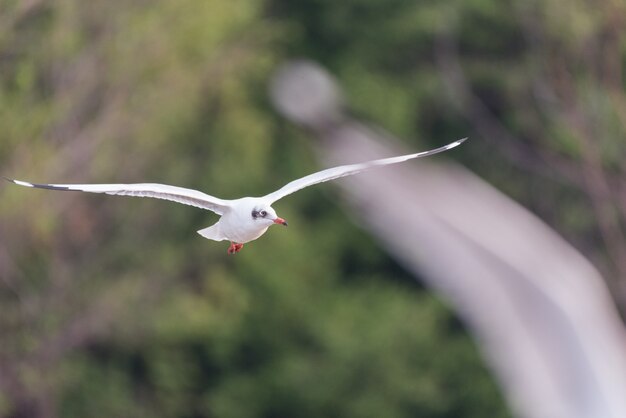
(114,307)
(539,84)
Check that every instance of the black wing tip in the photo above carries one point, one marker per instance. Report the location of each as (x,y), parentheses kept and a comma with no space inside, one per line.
(21,183)
(48,186)
(36,185)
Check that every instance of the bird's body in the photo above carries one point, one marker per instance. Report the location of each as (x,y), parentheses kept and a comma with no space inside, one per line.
(238,225)
(241,220)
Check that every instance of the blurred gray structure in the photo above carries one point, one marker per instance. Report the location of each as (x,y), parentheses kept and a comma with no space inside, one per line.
(538,310)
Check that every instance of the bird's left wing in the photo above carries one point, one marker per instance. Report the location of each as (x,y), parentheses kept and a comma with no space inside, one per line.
(347,170)
(159,191)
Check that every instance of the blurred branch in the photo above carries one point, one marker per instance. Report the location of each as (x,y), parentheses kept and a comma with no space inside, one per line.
(596,183)
(605,193)
(9,19)
(488,126)
(557,98)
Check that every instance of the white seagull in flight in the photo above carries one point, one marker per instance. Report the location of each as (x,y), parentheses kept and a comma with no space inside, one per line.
(241,220)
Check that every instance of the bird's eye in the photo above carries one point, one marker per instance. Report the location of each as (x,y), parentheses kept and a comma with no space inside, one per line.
(263,213)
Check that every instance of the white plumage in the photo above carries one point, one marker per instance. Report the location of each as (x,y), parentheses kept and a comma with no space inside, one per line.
(242,220)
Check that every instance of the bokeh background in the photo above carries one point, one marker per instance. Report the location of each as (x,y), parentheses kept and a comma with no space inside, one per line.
(115,307)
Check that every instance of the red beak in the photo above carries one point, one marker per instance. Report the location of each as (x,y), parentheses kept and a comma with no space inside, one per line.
(280,221)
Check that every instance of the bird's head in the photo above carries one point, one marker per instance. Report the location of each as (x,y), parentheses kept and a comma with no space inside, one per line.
(266,215)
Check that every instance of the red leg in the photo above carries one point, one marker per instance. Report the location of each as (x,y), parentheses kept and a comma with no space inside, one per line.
(234,248)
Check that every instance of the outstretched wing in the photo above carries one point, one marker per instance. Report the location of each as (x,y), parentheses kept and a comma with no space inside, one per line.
(157,191)
(347,170)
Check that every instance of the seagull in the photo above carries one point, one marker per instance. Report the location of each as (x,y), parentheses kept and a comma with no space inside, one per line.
(241,220)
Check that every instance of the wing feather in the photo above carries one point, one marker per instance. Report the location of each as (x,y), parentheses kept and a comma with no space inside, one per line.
(347,170)
(158,191)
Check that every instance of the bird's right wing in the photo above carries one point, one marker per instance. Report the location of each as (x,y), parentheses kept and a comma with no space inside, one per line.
(159,191)
(347,170)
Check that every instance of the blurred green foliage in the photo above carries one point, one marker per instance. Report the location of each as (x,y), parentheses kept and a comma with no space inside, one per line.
(115,307)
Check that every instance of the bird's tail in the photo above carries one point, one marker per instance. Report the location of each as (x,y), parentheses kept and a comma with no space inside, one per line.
(213,232)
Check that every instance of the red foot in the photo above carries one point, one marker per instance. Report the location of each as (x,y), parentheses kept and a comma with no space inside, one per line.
(234,248)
